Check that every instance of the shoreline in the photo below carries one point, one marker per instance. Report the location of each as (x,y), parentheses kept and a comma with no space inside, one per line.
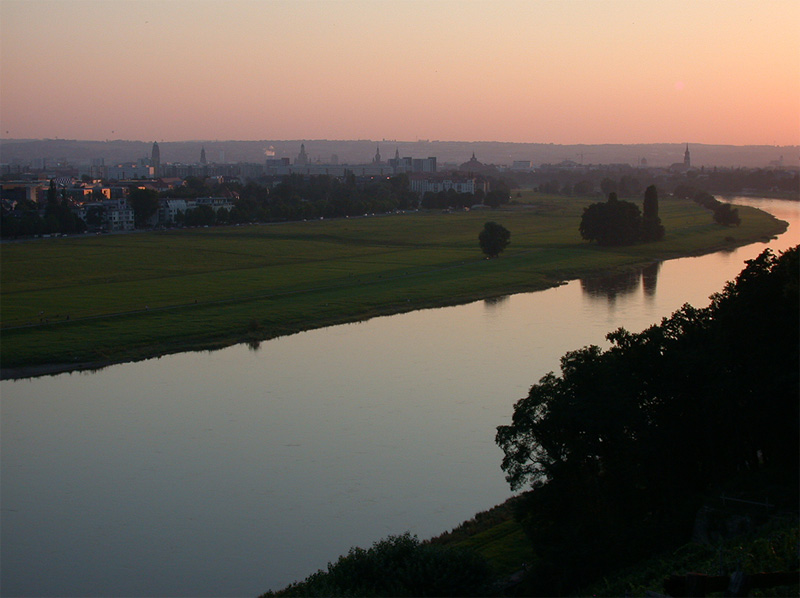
(50,369)
(382,303)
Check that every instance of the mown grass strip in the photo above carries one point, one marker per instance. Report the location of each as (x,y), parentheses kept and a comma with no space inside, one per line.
(111,298)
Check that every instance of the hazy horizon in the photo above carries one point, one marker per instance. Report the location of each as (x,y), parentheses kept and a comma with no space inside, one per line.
(515,71)
(690,143)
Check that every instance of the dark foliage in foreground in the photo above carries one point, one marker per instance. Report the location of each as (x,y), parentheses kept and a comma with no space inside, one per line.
(620,447)
(398,566)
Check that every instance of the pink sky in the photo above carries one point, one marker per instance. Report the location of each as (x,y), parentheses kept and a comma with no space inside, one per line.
(568,71)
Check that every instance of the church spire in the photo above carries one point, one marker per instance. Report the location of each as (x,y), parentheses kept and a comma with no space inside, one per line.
(687,160)
(302,157)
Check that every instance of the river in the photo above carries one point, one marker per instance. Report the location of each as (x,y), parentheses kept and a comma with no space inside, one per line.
(232,472)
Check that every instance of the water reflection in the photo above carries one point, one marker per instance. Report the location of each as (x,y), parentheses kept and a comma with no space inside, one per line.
(650,279)
(622,284)
(494,302)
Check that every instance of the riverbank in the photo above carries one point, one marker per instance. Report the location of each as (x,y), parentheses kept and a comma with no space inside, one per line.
(78,304)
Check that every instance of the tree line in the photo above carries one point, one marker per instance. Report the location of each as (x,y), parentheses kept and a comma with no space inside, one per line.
(622,445)
(627,181)
(271,199)
(724,213)
(56,218)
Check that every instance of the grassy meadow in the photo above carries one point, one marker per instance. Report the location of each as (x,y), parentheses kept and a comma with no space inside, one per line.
(92,300)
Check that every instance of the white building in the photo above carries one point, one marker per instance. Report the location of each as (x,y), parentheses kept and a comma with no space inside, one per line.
(119,215)
(215,203)
(130,170)
(168,209)
(422,185)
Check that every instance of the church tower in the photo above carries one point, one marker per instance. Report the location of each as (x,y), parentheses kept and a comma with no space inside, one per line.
(377,158)
(155,160)
(687,160)
(203,160)
(302,157)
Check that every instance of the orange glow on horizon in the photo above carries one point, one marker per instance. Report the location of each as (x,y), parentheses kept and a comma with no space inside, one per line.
(619,71)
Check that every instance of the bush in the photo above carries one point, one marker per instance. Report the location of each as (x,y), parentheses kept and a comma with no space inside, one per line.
(398,566)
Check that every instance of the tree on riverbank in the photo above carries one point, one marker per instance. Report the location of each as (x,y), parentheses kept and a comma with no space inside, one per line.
(617,222)
(494,238)
(652,229)
(724,213)
(611,223)
(620,447)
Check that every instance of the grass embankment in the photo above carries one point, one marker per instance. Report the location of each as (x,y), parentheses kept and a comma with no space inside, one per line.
(85,302)
(768,547)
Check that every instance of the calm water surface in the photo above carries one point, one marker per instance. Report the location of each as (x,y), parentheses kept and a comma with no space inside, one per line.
(238,471)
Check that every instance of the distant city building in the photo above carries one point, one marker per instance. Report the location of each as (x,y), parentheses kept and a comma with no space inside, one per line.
(521,165)
(684,166)
(127,171)
(302,157)
(119,215)
(155,159)
(409,164)
(471,165)
(168,209)
(24,190)
(277,166)
(423,164)
(421,184)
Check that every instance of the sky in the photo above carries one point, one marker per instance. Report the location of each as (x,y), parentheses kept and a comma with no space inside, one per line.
(529,71)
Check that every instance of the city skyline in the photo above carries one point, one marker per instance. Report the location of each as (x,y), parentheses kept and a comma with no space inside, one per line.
(513,71)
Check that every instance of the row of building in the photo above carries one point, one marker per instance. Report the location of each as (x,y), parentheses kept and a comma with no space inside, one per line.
(153,167)
(116,215)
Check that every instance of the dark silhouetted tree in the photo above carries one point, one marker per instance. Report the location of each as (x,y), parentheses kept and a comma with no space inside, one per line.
(611,223)
(652,229)
(725,213)
(144,203)
(598,442)
(493,239)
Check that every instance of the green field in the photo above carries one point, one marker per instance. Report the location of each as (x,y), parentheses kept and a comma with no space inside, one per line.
(93,300)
